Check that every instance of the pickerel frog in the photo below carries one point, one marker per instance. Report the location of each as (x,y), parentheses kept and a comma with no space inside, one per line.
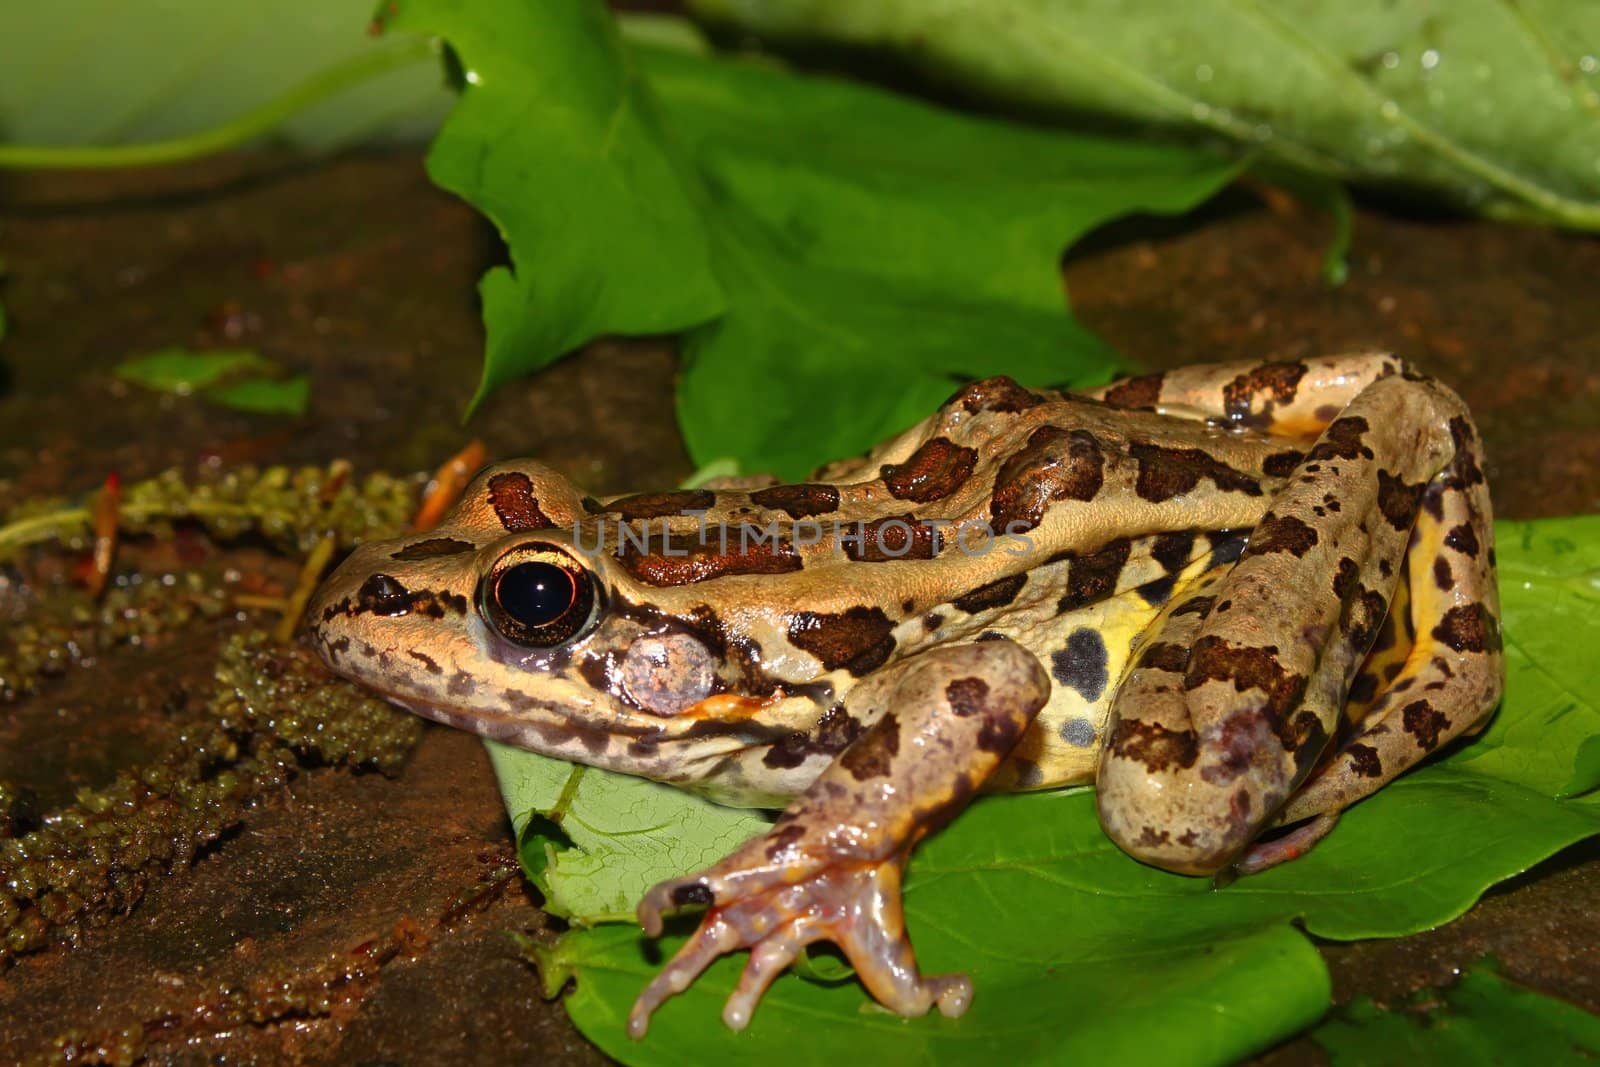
(1238,598)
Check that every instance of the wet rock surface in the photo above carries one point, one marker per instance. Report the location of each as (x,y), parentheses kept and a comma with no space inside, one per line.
(345,916)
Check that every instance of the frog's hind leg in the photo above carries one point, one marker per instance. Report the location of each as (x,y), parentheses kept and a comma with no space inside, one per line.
(830,868)
(1231,703)
(1450,679)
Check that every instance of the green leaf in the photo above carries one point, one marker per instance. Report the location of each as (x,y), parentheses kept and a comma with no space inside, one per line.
(1492,105)
(265,396)
(182,371)
(1482,1019)
(232,377)
(836,256)
(557,141)
(618,836)
(872,262)
(100,72)
(1076,950)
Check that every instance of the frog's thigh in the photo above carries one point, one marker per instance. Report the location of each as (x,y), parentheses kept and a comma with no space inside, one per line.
(1453,675)
(830,867)
(1193,773)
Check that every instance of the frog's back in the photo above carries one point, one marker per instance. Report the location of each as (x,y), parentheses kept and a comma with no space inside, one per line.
(1008,513)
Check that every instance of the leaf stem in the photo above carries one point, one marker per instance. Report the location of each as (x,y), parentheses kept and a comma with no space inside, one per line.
(246,127)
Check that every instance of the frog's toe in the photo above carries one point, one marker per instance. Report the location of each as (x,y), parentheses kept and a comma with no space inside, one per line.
(767,960)
(856,905)
(714,938)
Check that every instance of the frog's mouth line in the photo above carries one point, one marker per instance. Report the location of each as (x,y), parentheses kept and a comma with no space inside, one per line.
(687,757)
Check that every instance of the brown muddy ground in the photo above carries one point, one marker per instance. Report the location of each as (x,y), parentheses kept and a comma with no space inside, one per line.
(345,919)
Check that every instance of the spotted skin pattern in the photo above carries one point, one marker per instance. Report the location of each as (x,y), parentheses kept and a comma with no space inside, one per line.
(1236,597)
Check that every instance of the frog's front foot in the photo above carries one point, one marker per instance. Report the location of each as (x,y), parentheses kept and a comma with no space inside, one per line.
(830,868)
(856,905)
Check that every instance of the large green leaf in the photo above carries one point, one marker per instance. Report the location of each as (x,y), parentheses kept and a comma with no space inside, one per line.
(835,255)
(1077,950)
(557,140)
(1492,105)
(1483,1019)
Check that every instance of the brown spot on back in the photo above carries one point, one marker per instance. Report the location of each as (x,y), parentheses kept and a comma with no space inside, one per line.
(1398,501)
(859,640)
(1168,472)
(1141,392)
(999,393)
(997,594)
(886,540)
(1423,721)
(1153,745)
(1093,577)
(932,472)
(432,548)
(1442,577)
(798,501)
(686,558)
(1055,464)
(511,496)
(1281,533)
(967,696)
(662,505)
(1469,628)
(873,755)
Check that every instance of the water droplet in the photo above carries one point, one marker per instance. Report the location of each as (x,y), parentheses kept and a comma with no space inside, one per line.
(1201,112)
(1203,73)
(1390,110)
(1263,132)
(1430,59)
(1589,64)
(472,77)
(1390,60)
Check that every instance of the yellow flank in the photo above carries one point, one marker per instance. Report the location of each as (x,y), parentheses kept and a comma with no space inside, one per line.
(1062,746)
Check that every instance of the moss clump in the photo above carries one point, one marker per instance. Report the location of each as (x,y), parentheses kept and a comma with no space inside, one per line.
(271,711)
(292,508)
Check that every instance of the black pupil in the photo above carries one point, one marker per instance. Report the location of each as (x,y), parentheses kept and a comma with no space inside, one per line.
(535,594)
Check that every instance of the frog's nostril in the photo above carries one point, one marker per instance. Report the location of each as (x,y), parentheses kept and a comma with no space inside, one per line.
(383,594)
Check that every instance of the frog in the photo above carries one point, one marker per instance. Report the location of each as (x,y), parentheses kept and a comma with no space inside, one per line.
(1236,598)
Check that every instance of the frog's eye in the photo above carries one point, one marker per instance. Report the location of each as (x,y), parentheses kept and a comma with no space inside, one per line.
(537,598)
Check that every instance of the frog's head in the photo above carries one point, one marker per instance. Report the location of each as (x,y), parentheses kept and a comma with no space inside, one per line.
(497,622)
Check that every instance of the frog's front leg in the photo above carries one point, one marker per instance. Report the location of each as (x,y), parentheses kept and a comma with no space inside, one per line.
(830,868)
